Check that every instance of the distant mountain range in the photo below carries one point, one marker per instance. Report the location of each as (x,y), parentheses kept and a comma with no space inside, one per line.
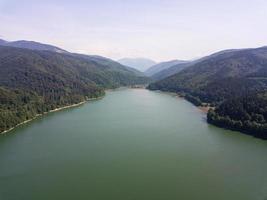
(170,68)
(46,47)
(32,45)
(224,77)
(162,66)
(36,78)
(141,64)
(217,69)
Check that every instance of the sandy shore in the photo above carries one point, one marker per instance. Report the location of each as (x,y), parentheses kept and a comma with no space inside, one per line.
(54,110)
(204,109)
(24,122)
(65,107)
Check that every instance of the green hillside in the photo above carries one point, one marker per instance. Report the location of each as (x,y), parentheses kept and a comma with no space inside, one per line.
(33,82)
(228,75)
(247,114)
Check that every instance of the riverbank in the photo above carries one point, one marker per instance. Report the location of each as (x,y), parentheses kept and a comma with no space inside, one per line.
(203,108)
(51,111)
(59,109)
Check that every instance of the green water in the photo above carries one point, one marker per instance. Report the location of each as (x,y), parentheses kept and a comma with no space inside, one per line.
(133,144)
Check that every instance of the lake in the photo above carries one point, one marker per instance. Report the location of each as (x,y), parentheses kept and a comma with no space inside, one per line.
(133,144)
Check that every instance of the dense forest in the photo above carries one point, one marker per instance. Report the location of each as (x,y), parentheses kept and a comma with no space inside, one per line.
(170,70)
(228,81)
(247,114)
(34,82)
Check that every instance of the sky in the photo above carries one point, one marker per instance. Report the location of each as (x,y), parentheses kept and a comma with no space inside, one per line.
(156,29)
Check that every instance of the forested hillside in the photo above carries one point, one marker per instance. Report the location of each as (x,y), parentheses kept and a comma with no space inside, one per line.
(33,82)
(159,67)
(162,74)
(234,75)
(174,69)
(246,113)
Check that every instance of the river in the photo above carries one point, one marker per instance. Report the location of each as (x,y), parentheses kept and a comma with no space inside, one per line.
(133,144)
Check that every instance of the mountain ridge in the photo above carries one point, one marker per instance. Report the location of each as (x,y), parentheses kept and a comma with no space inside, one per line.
(140,64)
(162,66)
(25,44)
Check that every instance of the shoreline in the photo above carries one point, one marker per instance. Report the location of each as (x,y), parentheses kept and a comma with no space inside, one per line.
(125,87)
(202,108)
(205,109)
(51,111)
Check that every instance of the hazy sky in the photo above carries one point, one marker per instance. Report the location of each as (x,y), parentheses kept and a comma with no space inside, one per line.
(157,29)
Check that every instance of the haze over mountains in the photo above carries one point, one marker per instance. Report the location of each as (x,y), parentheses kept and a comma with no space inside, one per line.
(46,47)
(155,70)
(162,66)
(171,68)
(32,45)
(141,64)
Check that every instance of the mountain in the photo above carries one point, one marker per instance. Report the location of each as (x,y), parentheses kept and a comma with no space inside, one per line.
(162,66)
(32,45)
(205,77)
(140,64)
(2,42)
(247,114)
(184,64)
(171,70)
(221,77)
(33,82)
(107,61)
(46,47)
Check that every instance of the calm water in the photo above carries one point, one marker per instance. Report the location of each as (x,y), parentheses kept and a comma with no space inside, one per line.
(133,144)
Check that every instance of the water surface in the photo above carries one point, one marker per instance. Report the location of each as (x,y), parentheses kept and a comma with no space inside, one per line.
(133,144)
